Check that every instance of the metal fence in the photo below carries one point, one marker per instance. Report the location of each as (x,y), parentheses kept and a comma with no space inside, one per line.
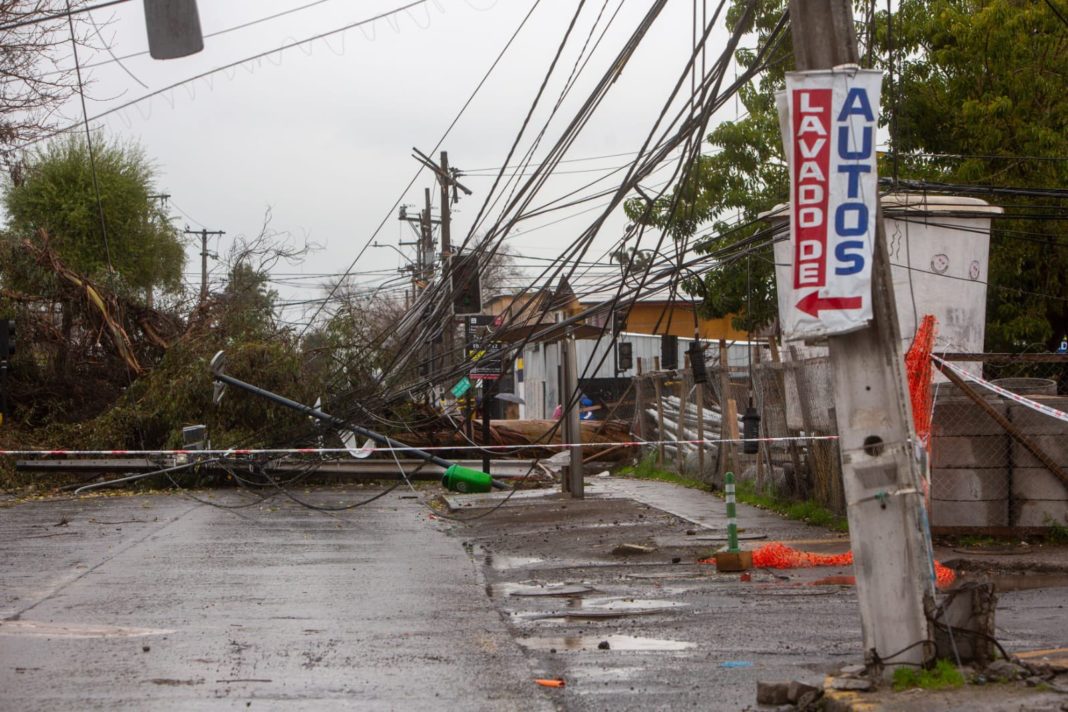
(997,464)
(994,464)
(793,455)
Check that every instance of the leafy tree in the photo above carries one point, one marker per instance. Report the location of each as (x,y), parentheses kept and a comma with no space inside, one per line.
(979,100)
(983,101)
(744,174)
(55,192)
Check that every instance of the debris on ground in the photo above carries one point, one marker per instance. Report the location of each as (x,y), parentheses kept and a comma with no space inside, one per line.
(633,549)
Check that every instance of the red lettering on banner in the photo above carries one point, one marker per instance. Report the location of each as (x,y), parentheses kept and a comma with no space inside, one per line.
(811,151)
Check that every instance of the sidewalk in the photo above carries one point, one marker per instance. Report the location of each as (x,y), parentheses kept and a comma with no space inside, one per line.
(732,631)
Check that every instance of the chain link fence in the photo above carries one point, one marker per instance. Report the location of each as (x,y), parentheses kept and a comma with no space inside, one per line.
(997,464)
(993,464)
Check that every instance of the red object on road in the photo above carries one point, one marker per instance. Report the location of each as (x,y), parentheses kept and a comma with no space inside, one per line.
(550,682)
(776,555)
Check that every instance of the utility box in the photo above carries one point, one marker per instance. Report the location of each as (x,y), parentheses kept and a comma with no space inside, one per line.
(195,437)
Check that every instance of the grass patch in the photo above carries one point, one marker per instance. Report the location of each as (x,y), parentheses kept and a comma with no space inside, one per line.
(943,676)
(647,469)
(746,492)
(1058,532)
(802,511)
(976,541)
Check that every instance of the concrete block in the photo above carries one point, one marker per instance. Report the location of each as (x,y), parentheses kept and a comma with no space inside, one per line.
(1032,422)
(772,693)
(797,689)
(969,609)
(733,560)
(1037,483)
(1038,513)
(949,513)
(983,451)
(1056,446)
(970,484)
(963,417)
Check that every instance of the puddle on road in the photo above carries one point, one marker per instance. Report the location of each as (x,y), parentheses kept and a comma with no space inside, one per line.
(40,629)
(535,591)
(622,604)
(578,643)
(602,609)
(500,562)
(682,574)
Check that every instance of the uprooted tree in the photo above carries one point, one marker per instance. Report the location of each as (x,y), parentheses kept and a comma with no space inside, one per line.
(80,273)
(111,350)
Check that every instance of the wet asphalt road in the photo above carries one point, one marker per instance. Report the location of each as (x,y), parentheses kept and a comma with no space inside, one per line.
(161,603)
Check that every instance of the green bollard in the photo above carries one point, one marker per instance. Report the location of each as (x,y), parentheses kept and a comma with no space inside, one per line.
(732,514)
(465,479)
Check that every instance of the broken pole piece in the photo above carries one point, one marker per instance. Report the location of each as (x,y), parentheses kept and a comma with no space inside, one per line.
(453,472)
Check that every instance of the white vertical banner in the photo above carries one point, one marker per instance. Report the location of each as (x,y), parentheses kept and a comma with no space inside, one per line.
(829,132)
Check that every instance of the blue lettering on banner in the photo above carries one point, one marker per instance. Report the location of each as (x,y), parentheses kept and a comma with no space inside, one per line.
(841,225)
(854,170)
(856,102)
(851,219)
(841,251)
(865,144)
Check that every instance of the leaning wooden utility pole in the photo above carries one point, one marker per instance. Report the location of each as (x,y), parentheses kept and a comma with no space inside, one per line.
(446,261)
(204,255)
(888,527)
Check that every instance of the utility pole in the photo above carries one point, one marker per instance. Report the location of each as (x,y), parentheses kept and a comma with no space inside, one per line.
(572,431)
(888,527)
(448,342)
(204,257)
(450,189)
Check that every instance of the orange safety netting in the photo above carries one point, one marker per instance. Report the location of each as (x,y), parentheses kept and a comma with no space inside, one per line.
(918,368)
(776,555)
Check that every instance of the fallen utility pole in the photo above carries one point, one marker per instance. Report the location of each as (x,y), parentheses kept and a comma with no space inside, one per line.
(888,527)
(456,477)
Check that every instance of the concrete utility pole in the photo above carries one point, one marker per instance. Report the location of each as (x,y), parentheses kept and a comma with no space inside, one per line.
(204,254)
(572,430)
(887,524)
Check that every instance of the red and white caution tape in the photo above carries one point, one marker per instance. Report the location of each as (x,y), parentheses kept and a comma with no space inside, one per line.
(400,450)
(1015,397)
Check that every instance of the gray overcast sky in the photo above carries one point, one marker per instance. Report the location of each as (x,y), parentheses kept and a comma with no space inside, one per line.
(322,133)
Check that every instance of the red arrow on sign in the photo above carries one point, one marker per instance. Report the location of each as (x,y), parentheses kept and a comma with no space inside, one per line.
(813,304)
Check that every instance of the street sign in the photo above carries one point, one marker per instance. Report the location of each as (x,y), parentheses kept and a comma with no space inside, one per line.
(486,370)
(462,386)
(481,319)
(829,122)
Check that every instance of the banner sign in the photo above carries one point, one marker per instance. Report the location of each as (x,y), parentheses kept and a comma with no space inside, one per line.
(829,121)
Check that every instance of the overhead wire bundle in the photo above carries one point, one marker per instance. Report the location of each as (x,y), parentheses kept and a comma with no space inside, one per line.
(673,141)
